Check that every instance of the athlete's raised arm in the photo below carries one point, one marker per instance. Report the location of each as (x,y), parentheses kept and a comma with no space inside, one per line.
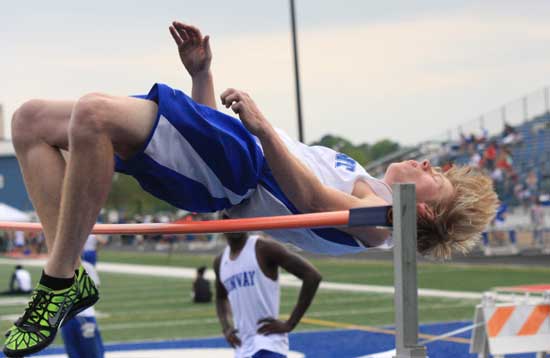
(196,56)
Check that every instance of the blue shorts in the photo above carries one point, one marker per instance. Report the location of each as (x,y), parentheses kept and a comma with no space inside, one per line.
(82,338)
(196,158)
(267,354)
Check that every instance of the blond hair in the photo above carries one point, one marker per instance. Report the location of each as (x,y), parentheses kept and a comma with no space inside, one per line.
(455,225)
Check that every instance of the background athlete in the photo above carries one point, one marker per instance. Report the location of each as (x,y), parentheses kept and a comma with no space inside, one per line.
(248,294)
(199,159)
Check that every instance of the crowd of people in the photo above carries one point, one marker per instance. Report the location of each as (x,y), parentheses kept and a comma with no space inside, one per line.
(495,155)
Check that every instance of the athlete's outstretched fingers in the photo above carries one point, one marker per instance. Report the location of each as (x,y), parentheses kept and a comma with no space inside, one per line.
(193,34)
(176,36)
(182,32)
(207,46)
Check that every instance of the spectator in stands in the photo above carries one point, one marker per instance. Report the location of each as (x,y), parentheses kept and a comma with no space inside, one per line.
(509,134)
(475,159)
(504,160)
(532,183)
(537,223)
(463,142)
(484,136)
(472,140)
(20,282)
(490,156)
(201,287)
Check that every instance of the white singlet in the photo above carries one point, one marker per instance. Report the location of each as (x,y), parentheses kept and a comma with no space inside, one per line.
(333,169)
(252,296)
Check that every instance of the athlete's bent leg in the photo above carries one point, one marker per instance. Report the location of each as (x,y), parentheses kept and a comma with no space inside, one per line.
(39,132)
(100,126)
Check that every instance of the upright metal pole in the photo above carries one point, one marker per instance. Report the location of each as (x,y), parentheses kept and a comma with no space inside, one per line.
(525,109)
(404,262)
(301,135)
(546,99)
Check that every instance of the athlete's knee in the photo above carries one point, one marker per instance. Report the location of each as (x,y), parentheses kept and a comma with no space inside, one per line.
(90,117)
(25,120)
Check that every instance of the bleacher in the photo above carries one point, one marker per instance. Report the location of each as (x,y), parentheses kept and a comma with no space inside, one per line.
(533,153)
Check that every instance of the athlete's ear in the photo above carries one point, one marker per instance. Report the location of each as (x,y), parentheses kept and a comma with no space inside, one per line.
(423,209)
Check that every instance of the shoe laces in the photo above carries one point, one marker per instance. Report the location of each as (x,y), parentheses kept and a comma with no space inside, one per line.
(37,308)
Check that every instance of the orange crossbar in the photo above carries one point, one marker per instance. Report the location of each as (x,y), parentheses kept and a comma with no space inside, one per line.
(315,220)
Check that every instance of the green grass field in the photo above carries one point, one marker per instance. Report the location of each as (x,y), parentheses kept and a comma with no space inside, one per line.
(150,308)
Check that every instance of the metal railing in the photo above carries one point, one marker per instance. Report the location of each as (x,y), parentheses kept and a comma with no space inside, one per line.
(492,122)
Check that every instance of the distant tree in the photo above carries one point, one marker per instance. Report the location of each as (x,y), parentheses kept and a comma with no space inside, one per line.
(383,147)
(126,195)
(362,153)
(334,142)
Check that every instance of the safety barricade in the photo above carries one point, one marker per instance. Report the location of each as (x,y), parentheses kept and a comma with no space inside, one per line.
(504,328)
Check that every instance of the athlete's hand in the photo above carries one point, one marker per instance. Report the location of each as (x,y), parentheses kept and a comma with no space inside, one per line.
(273,326)
(194,49)
(241,103)
(232,338)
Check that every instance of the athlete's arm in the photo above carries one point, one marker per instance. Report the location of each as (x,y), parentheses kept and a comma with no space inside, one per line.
(306,192)
(223,309)
(196,56)
(272,254)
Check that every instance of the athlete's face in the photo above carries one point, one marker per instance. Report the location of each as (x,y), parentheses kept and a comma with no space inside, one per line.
(431,185)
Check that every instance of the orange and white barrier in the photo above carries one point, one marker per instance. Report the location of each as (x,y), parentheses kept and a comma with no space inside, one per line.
(511,328)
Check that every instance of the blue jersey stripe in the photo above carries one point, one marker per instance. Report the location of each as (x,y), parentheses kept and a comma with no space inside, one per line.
(223,142)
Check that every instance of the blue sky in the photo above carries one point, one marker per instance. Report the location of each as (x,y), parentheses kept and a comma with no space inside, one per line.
(405,70)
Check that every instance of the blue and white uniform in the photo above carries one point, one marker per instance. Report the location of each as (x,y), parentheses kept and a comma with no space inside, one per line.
(89,252)
(202,160)
(253,296)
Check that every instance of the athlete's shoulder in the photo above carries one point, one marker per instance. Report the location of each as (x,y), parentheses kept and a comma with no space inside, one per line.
(268,248)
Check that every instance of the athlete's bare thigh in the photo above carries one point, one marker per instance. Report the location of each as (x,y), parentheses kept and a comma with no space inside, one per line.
(48,120)
(127,120)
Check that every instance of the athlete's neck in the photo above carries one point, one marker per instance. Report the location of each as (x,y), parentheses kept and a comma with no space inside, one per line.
(236,245)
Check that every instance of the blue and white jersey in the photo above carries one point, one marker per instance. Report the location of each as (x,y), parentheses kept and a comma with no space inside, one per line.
(253,296)
(333,169)
(202,160)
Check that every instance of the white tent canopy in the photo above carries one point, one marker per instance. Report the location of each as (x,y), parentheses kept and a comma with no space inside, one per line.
(8,213)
